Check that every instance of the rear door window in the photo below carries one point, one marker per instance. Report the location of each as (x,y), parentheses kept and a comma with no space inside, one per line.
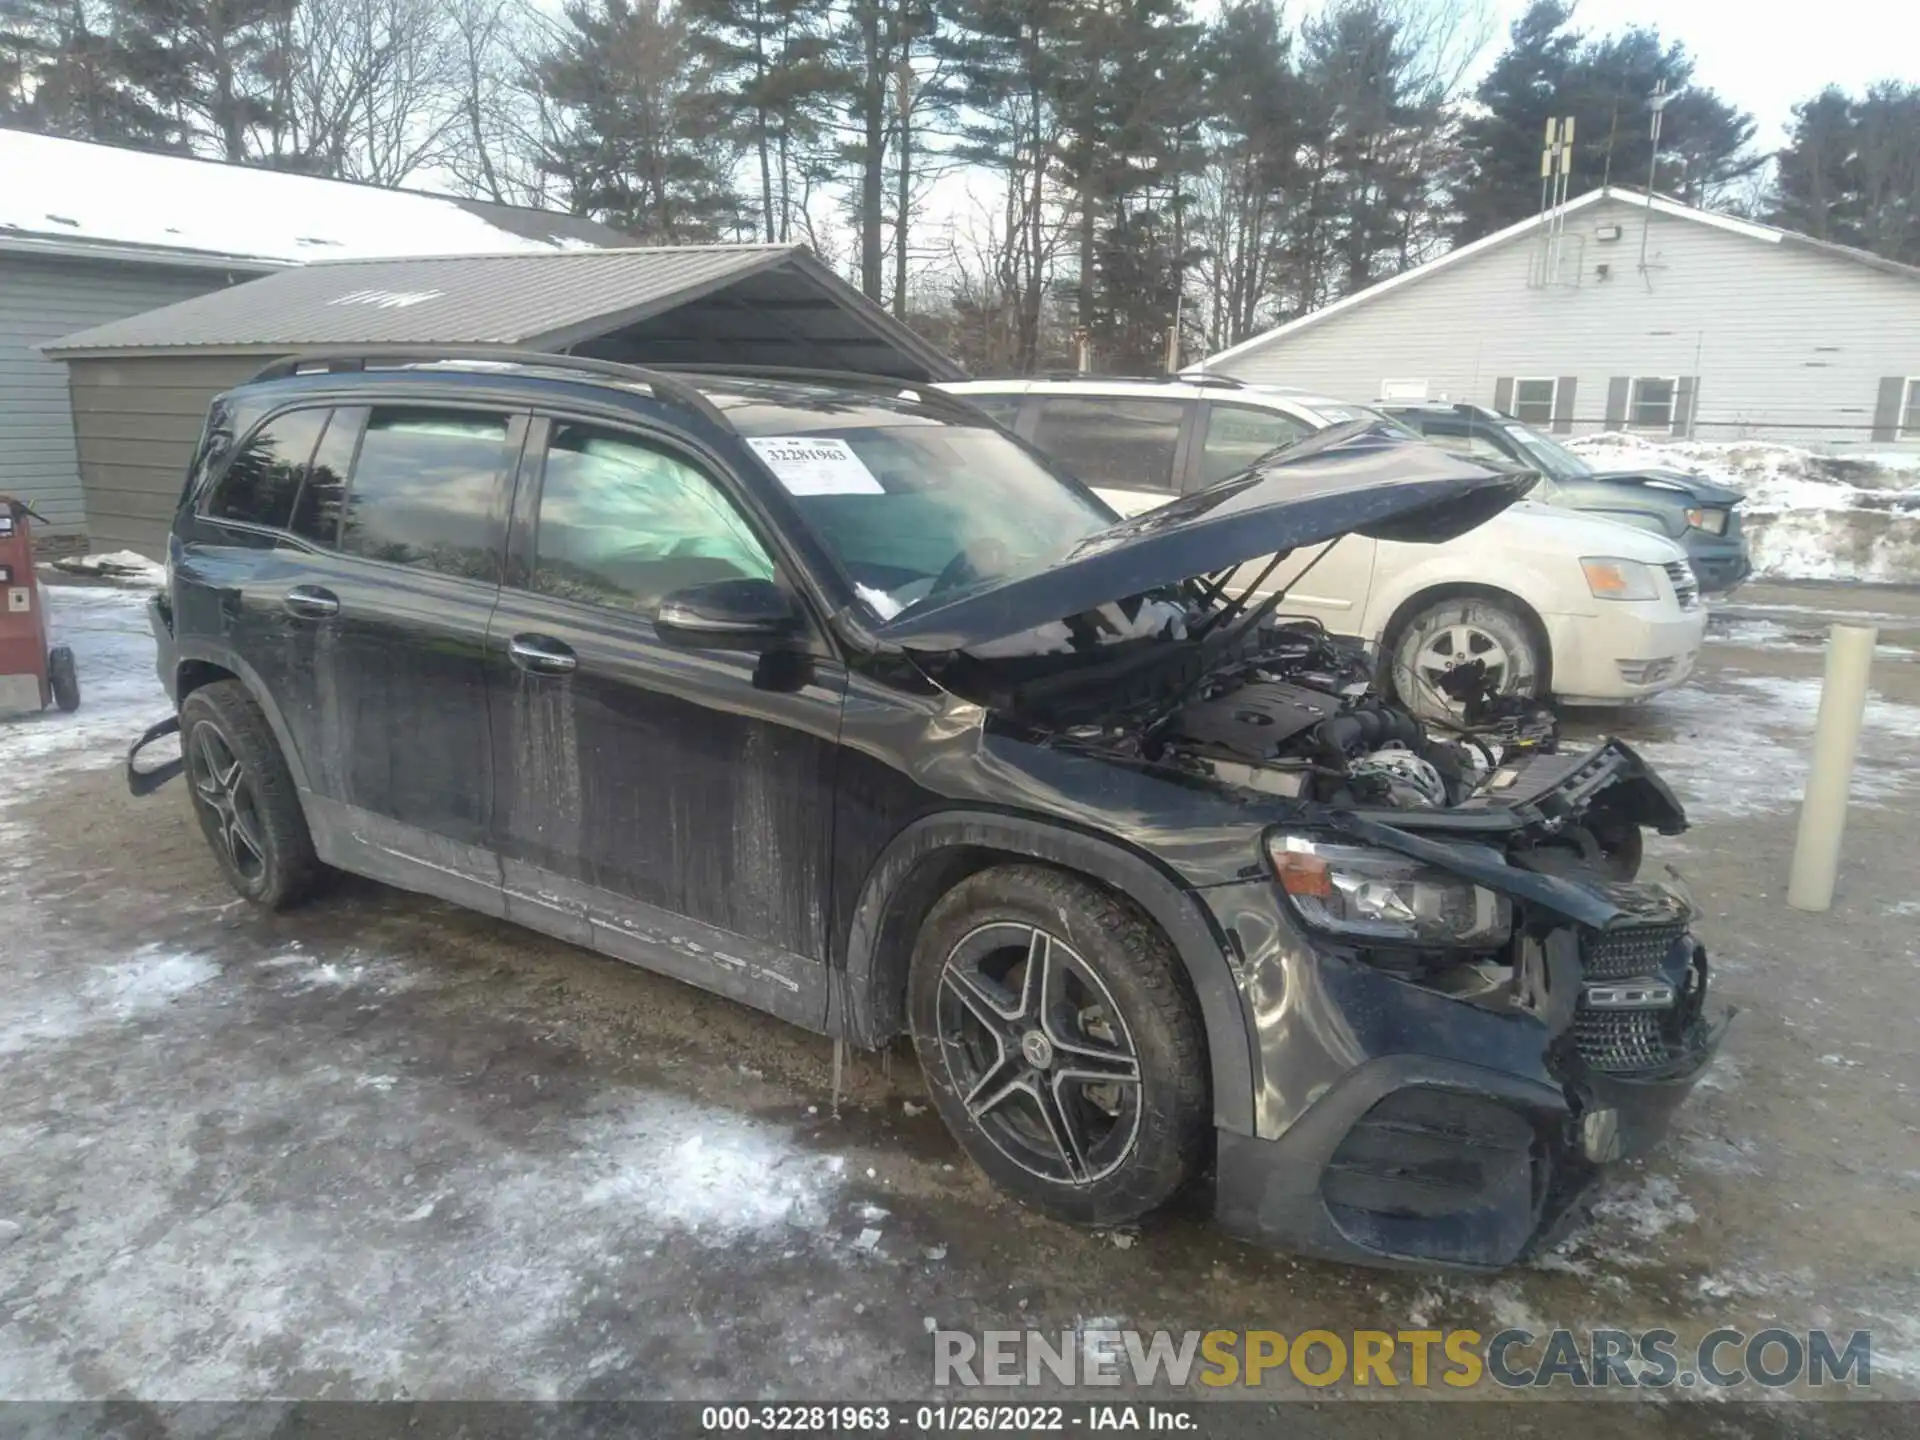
(625,523)
(1238,435)
(1112,439)
(426,491)
(263,476)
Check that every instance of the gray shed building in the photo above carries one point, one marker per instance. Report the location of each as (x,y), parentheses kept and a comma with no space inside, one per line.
(91,234)
(1616,313)
(140,386)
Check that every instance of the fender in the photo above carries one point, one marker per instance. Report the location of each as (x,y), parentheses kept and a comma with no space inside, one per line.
(866,1004)
(1530,556)
(257,691)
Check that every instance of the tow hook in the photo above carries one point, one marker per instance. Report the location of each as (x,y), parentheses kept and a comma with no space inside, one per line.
(145,782)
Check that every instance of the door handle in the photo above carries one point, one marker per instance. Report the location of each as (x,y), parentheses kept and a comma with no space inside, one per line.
(542,655)
(310,602)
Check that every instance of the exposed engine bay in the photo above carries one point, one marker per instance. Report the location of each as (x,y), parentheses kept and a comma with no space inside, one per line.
(1284,708)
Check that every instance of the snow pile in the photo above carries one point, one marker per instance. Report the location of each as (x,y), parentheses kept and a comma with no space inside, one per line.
(122,567)
(1807,516)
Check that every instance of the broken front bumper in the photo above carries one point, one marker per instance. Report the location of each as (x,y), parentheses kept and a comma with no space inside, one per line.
(1398,1126)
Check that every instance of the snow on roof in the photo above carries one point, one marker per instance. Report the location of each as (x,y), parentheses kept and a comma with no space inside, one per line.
(67,196)
(1659,204)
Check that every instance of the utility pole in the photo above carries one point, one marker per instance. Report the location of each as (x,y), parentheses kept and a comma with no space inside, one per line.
(1656,102)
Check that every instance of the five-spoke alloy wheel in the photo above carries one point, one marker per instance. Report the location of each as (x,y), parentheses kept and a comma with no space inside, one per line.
(244,796)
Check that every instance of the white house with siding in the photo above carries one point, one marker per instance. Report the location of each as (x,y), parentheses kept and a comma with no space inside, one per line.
(1617,312)
(94,233)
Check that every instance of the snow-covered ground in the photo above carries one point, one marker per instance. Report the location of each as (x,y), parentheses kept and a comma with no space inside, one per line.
(1808,516)
(120,694)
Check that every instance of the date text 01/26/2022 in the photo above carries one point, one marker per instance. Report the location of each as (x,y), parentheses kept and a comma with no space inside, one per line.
(939,1419)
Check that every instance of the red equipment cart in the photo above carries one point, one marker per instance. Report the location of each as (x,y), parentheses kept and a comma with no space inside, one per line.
(25,646)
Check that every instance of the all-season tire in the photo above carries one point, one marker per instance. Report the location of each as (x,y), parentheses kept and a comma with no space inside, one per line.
(244,798)
(62,678)
(1459,630)
(1115,1003)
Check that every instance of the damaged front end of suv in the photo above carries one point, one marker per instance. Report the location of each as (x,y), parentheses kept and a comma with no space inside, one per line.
(1461,1000)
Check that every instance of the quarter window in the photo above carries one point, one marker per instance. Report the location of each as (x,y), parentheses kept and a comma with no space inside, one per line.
(1533,401)
(426,489)
(625,524)
(1651,406)
(263,477)
(1910,411)
(1238,435)
(1111,440)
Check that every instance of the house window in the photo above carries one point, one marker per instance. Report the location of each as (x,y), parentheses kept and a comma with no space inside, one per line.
(1651,407)
(1533,401)
(1910,411)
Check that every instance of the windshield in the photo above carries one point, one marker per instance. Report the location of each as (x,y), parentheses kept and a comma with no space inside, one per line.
(1552,457)
(912,507)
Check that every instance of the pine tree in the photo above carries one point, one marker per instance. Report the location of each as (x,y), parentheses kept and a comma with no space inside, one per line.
(1850,171)
(638,147)
(1816,182)
(771,64)
(211,64)
(65,70)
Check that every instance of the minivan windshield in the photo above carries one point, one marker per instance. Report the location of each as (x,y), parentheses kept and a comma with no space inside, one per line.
(915,506)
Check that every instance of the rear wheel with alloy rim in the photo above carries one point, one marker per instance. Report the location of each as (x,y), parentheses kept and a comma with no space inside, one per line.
(1059,1044)
(244,798)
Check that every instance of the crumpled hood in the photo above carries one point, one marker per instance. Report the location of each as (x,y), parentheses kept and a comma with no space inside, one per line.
(1706,491)
(1366,477)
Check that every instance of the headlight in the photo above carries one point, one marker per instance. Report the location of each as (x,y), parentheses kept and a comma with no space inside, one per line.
(1714,522)
(1611,579)
(1369,894)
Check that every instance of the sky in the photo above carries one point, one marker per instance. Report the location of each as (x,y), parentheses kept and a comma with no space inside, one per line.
(1757,55)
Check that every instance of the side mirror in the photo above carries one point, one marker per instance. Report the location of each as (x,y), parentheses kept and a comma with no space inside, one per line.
(752,615)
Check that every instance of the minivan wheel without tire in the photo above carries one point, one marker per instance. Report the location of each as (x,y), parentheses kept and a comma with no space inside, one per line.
(1059,1044)
(244,798)
(62,678)
(1463,631)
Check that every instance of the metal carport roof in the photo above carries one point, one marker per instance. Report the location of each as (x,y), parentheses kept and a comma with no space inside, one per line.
(700,304)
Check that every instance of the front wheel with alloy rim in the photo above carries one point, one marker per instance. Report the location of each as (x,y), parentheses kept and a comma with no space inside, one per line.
(1059,1044)
(1447,649)
(243,796)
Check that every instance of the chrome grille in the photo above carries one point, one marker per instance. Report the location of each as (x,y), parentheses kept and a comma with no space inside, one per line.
(1684,584)
(1634,950)
(1624,1039)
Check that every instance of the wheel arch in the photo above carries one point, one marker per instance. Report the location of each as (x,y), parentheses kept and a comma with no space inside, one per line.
(927,859)
(196,671)
(1419,600)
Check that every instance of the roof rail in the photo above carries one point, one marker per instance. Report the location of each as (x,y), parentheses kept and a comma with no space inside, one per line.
(928,392)
(665,387)
(1224,382)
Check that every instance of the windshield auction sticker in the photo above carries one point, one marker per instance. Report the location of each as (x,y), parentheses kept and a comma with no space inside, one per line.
(809,465)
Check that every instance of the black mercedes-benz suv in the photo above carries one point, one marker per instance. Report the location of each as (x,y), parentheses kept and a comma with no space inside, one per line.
(825,693)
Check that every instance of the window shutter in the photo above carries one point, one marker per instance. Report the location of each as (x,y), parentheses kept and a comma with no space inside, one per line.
(1503,394)
(1618,388)
(1683,400)
(1886,412)
(1563,404)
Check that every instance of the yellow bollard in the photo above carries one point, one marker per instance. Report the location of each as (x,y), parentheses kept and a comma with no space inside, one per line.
(1836,736)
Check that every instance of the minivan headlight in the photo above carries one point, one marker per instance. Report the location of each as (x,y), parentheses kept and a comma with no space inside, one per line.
(1613,579)
(1368,894)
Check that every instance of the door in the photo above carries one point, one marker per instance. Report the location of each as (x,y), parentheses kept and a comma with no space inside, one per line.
(390,576)
(668,806)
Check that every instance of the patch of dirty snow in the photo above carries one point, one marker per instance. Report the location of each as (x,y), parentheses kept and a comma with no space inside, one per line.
(1741,748)
(83,1000)
(670,1165)
(1757,633)
(1904,907)
(1807,516)
(120,567)
(1509,1309)
(1645,1209)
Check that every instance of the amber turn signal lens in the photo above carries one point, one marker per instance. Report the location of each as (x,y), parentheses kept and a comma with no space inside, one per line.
(1303,874)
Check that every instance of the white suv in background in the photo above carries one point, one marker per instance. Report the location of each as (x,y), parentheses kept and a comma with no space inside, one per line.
(1585,610)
